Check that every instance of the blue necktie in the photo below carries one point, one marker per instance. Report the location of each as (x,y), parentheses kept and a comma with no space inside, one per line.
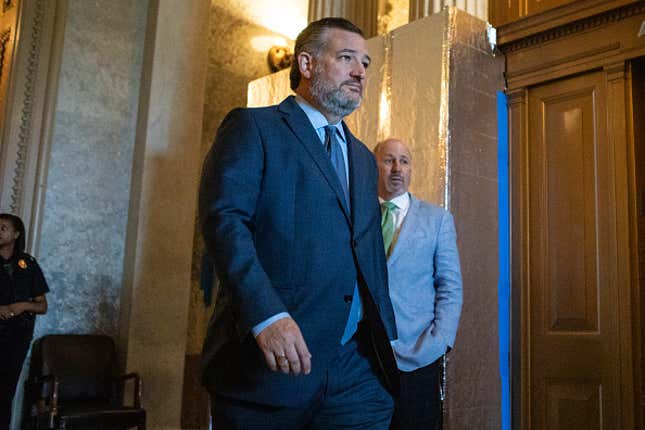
(335,154)
(338,161)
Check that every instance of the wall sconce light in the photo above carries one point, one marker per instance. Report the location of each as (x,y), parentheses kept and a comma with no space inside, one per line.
(279,58)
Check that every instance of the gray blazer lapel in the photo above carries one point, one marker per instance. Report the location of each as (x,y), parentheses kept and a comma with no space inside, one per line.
(301,127)
(412,229)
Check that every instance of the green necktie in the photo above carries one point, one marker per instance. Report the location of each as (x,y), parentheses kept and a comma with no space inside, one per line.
(387,223)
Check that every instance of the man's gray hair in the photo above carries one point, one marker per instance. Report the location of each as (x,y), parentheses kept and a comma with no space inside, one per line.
(312,40)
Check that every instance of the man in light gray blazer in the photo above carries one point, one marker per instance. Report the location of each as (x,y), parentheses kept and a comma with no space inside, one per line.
(425,287)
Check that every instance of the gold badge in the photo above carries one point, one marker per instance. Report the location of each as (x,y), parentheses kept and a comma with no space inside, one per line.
(22,264)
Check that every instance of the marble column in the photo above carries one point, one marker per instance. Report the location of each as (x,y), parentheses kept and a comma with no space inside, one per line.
(321,8)
(422,8)
(159,241)
(363,13)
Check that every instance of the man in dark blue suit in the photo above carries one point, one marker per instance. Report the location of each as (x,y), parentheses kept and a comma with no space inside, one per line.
(299,338)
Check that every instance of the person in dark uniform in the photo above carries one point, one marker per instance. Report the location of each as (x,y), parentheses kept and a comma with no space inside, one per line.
(22,296)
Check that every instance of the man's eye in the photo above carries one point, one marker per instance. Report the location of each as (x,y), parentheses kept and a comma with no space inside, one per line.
(366,65)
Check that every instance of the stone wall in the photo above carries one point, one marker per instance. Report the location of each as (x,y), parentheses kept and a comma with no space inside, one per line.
(82,238)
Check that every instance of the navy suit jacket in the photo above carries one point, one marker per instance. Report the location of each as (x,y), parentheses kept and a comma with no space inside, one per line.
(282,239)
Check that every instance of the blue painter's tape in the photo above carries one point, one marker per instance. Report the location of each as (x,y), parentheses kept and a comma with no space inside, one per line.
(504,290)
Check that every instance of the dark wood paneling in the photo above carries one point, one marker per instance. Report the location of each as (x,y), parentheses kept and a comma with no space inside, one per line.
(577,214)
(504,11)
(576,48)
(537,6)
(518,150)
(573,404)
(569,211)
(638,97)
(556,22)
(572,299)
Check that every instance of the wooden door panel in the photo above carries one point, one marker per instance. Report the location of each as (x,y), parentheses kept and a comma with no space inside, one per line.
(573,404)
(569,211)
(573,342)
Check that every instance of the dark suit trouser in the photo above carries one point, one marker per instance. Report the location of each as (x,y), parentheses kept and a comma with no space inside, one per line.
(419,403)
(351,397)
(14,344)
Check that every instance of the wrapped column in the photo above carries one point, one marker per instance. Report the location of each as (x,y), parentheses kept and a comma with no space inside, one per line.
(321,8)
(363,13)
(422,8)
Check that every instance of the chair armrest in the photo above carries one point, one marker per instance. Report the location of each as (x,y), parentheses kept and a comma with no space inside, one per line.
(137,387)
(52,396)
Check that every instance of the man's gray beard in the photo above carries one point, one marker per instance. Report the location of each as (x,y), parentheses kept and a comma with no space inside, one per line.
(332,99)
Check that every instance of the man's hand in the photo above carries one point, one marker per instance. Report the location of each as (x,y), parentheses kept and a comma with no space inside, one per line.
(284,347)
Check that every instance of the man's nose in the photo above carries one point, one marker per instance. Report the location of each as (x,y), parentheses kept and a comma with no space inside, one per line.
(359,70)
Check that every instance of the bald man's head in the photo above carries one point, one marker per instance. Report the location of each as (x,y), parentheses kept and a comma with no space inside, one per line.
(394,166)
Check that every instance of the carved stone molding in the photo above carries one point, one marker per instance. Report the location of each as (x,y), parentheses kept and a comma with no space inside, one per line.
(25,128)
(29,109)
(5,36)
(575,27)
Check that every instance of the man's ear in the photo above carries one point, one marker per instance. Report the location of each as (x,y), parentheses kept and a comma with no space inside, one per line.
(305,64)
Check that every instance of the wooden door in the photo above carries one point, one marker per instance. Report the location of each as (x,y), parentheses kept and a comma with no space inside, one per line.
(571,303)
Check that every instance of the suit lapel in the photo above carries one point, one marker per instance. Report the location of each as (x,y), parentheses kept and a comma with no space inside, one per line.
(411,230)
(302,128)
(360,202)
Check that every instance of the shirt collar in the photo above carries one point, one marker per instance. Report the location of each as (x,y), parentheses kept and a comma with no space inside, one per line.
(316,118)
(402,201)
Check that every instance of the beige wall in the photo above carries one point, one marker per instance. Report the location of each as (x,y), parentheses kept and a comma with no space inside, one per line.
(159,243)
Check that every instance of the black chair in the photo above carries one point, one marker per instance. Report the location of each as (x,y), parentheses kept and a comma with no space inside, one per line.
(74,384)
